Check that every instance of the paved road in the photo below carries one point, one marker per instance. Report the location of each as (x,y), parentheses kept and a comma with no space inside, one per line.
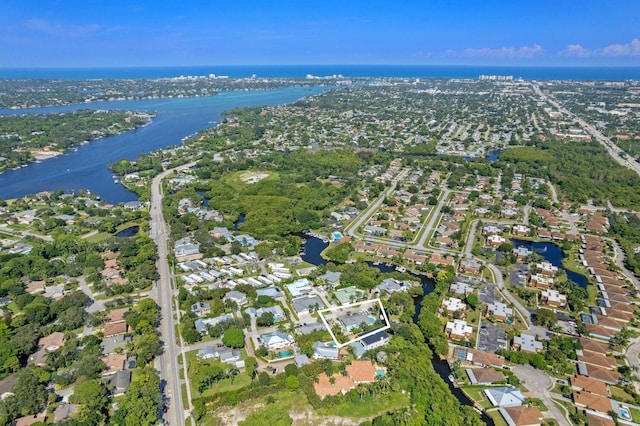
(428,228)
(352,229)
(539,383)
(167,363)
(497,274)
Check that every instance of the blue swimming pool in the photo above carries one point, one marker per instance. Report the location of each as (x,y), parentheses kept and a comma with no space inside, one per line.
(283,354)
(337,236)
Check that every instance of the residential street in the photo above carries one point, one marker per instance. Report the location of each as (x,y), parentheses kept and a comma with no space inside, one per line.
(539,383)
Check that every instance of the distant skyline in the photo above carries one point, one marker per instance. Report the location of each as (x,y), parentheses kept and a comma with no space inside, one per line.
(71,33)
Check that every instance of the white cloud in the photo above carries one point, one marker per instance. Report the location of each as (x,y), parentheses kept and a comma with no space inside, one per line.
(505,52)
(629,49)
(575,50)
(613,50)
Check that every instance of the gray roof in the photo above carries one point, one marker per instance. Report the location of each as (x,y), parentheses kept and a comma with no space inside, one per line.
(301,360)
(236,295)
(330,277)
(375,338)
(203,323)
(527,343)
(306,329)
(269,291)
(305,302)
(354,320)
(121,380)
(320,350)
(504,397)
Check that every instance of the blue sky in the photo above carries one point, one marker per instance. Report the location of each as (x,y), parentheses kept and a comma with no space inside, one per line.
(45,33)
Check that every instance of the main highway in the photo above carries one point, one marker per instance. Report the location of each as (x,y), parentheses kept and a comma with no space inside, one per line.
(167,362)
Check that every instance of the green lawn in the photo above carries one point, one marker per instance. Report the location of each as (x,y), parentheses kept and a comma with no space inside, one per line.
(620,395)
(635,414)
(497,418)
(368,406)
(475,393)
(99,237)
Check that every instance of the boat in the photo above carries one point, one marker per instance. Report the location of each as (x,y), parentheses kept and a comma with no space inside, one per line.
(116,181)
(401,269)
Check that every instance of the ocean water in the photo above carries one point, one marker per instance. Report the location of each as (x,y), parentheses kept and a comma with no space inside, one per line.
(300,71)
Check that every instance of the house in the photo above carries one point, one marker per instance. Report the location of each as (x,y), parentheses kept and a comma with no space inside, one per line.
(133,205)
(470,266)
(361,372)
(348,295)
(521,415)
(453,305)
(584,383)
(114,363)
(484,376)
(520,230)
(458,330)
(184,249)
(306,304)
(276,340)
(231,357)
(306,329)
(116,315)
(541,281)
(391,285)
(276,311)
(504,396)
(495,241)
(547,269)
(299,287)
(120,382)
(499,311)
(526,343)
(236,296)
(273,292)
(461,288)
(477,357)
(522,253)
(52,342)
(201,308)
(597,419)
(301,360)
(553,298)
(114,328)
(352,322)
(65,411)
(322,351)
(599,373)
(5,386)
(365,247)
(369,342)
(331,278)
(202,324)
(592,401)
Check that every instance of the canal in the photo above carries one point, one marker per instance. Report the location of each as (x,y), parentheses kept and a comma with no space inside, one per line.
(313,247)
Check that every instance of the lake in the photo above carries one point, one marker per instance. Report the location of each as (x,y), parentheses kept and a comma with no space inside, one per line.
(86,168)
(552,254)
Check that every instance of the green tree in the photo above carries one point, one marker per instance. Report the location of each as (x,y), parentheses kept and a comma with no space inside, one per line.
(233,338)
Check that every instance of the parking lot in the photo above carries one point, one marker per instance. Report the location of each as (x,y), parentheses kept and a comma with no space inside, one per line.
(487,294)
(491,338)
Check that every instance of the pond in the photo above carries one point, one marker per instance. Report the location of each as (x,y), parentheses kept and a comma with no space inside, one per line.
(128,232)
(552,254)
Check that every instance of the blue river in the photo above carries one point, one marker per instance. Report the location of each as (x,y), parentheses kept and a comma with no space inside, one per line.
(86,168)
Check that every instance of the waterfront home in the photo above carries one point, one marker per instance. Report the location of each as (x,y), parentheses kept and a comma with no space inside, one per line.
(458,330)
(484,376)
(504,396)
(553,298)
(391,285)
(373,341)
(454,305)
(348,295)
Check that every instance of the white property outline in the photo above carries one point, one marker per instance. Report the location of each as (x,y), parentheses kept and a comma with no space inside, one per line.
(349,305)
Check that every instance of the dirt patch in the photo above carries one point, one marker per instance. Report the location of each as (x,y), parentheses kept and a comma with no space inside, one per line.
(231,416)
(253,177)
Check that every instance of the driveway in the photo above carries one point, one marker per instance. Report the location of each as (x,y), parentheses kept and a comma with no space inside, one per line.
(539,383)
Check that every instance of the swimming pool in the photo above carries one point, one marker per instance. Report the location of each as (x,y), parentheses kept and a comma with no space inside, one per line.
(283,354)
(380,372)
(624,412)
(337,236)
